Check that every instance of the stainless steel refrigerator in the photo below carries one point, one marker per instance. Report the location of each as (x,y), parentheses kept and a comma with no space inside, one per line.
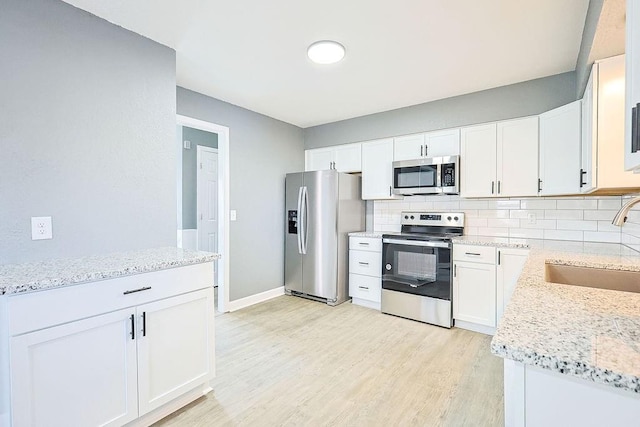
(321,207)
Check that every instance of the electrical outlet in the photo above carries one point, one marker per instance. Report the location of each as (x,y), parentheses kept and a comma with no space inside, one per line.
(233,215)
(41,228)
(531,218)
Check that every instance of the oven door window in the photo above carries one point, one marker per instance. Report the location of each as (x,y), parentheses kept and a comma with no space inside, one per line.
(417,270)
(415,176)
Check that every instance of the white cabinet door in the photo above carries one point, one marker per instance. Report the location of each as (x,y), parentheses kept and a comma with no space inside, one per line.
(348,157)
(510,263)
(474,293)
(318,159)
(175,347)
(560,141)
(632,51)
(377,169)
(478,161)
(442,143)
(588,152)
(517,162)
(81,373)
(408,147)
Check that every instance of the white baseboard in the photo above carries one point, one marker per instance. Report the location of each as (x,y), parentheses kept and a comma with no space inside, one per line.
(171,407)
(255,299)
(188,239)
(488,330)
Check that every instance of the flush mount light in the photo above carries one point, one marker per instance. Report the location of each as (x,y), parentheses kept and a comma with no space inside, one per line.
(326,52)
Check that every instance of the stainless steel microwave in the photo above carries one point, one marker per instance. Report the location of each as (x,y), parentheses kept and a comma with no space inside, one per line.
(436,175)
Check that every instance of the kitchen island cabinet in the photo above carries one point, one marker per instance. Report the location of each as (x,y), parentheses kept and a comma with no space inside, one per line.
(125,348)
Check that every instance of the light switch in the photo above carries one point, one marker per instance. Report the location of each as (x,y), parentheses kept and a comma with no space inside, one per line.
(531,218)
(41,228)
(233,215)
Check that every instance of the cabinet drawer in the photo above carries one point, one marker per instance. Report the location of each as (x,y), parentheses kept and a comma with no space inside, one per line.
(367,263)
(365,287)
(372,244)
(66,304)
(471,253)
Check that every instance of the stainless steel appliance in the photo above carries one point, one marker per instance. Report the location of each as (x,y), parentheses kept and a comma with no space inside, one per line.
(436,175)
(322,207)
(416,267)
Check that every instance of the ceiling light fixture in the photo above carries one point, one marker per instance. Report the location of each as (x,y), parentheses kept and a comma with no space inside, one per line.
(326,52)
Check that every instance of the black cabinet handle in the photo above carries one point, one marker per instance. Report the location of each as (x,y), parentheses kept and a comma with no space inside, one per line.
(492,186)
(133,291)
(133,327)
(635,129)
(539,185)
(498,187)
(498,257)
(144,323)
(582,173)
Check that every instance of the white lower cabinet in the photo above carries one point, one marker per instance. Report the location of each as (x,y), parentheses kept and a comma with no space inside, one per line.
(365,271)
(129,365)
(484,278)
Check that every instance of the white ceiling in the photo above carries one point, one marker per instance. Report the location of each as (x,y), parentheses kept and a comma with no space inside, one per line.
(252,53)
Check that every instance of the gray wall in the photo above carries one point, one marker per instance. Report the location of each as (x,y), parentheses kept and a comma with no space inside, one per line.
(517,100)
(190,172)
(262,151)
(583,66)
(87,134)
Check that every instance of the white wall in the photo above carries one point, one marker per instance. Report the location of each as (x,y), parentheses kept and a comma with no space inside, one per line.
(567,218)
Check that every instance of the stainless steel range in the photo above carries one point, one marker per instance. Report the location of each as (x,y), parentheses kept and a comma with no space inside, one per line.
(417,267)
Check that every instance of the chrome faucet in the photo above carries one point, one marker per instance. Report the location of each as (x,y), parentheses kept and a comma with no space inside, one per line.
(621,216)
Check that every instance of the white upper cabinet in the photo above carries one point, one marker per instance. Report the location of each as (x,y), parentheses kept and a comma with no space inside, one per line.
(377,169)
(408,147)
(432,144)
(499,159)
(560,139)
(343,158)
(631,152)
(517,164)
(603,129)
(478,161)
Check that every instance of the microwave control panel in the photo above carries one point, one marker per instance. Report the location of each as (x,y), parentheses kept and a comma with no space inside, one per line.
(448,175)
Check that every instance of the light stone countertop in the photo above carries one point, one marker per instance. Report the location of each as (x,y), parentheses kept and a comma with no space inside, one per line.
(588,333)
(370,234)
(35,276)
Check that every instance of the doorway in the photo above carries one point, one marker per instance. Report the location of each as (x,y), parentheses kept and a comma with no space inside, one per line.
(203,223)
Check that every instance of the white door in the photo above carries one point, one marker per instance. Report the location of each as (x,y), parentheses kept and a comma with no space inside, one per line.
(510,264)
(207,201)
(474,293)
(478,161)
(80,374)
(348,157)
(589,139)
(318,159)
(377,169)
(175,347)
(517,172)
(408,147)
(442,143)
(560,140)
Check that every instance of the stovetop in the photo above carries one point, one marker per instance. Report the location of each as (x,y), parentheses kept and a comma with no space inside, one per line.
(431,226)
(423,236)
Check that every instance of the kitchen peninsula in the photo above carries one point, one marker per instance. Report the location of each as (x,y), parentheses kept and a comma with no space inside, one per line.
(105,340)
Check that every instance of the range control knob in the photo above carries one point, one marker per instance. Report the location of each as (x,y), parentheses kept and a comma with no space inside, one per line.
(406,217)
(455,218)
(448,218)
(412,217)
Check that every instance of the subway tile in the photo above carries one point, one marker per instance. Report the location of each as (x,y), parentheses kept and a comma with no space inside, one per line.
(602,236)
(537,204)
(564,224)
(386,228)
(526,233)
(577,204)
(599,215)
(504,204)
(564,235)
(493,232)
(631,228)
(607,226)
(563,214)
(474,204)
(446,206)
(421,206)
(503,223)
(628,239)
(492,213)
(470,213)
(476,222)
(633,215)
(610,203)
(524,213)
(548,224)
(471,231)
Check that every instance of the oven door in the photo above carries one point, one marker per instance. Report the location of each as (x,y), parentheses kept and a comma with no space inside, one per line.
(411,178)
(417,267)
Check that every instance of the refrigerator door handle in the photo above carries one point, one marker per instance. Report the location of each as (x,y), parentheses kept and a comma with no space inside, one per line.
(300,225)
(305,228)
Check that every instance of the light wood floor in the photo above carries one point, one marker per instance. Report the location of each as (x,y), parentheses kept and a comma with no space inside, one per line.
(290,361)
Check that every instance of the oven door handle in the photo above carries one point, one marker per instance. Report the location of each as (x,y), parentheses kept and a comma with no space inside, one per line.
(417,243)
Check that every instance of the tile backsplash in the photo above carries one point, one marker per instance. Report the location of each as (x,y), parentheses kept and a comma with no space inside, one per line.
(558,218)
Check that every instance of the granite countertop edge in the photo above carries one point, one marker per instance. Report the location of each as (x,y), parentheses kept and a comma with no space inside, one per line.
(51,274)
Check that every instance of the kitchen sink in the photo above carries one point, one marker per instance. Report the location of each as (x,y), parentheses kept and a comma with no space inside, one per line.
(602,278)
